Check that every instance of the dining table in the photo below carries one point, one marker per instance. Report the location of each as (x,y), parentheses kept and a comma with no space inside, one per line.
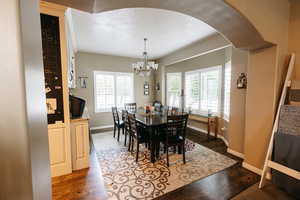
(153,124)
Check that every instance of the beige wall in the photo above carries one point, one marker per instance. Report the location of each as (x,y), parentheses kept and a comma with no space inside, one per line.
(14,141)
(25,167)
(294,34)
(208,60)
(204,46)
(236,127)
(86,63)
(265,70)
(211,59)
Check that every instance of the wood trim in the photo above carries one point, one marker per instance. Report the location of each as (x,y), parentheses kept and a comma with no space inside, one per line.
(47,6)
(59,11)
(211,134)
(252,168)
(101,127)
(235,153)
(288,171)
(61,125)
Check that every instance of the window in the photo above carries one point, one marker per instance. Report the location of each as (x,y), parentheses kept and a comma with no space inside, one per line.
(112,89)
(202,89)
(173,89)
(227,83)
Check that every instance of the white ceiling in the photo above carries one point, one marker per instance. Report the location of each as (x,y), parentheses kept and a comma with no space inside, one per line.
(121,32)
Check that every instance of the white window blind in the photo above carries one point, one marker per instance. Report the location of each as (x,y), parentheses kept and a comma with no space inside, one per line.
(112,89)
(124,89)
(203,90)
(227,86)
(173,89)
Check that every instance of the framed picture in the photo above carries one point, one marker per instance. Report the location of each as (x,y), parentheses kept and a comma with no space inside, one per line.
(146,89)
(146,86)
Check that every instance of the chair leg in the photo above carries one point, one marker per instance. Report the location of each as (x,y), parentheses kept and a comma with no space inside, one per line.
(129,142)
(137,151)
(118,134)
(183,152)
(168,156)
(114,130)
(132,144)
(125,138)
(179,149)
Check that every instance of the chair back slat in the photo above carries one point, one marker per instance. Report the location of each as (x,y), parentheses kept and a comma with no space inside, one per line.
(132,123)
(115,115)
(172,110)
(131,107)
(176,125)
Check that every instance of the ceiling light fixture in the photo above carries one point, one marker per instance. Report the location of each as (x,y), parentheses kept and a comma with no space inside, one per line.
(145,67)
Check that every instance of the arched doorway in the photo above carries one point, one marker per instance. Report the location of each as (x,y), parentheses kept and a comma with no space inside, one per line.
(216,13)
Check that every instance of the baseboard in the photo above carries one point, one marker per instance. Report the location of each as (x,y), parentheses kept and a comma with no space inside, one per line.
(211,134)
(235,153)
(252,168)
(101,127)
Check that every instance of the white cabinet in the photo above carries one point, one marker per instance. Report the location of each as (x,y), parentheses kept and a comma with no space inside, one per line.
(59,147)
(80,143)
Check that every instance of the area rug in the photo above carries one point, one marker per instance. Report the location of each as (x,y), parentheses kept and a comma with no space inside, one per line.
(126,179)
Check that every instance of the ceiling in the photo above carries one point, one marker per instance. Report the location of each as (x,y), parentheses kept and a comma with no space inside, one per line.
(121,32)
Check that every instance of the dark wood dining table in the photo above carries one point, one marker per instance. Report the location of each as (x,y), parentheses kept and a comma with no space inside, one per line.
(153,124)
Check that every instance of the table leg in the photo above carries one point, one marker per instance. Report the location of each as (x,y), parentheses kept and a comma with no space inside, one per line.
(216,127)
(208,128)
(152,141)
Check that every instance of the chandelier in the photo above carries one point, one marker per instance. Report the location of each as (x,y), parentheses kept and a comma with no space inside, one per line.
(145,67)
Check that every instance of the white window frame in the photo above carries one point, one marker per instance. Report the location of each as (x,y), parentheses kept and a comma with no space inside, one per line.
(167,88)
(114,74)
(225,114)
(199,71)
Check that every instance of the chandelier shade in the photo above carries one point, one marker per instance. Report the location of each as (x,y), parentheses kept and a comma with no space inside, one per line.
(145,67)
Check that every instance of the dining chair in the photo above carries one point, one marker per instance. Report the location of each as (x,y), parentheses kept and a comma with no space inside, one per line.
(126,125)
(173,110)
(157,106)
(130,107)
(136,134)
(174,134)
(118,124)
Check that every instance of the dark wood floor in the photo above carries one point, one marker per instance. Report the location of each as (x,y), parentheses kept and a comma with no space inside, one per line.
(88,184)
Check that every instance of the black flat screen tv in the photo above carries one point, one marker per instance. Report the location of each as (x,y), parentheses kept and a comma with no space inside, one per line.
(76,106)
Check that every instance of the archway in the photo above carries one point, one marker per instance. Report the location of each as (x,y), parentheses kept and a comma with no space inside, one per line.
(216,13)
(35,128)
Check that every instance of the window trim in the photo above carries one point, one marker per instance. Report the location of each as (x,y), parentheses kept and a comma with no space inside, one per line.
(226,116)
(167,87)
(199,71)
(114,74)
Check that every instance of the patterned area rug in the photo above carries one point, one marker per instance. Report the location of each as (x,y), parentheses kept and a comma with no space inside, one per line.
(125,179)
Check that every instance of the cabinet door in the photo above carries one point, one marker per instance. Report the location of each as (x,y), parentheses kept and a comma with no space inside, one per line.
(80,145)
(59,147)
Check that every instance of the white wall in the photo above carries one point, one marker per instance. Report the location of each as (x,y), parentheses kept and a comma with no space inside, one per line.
(25,166)
(86,63)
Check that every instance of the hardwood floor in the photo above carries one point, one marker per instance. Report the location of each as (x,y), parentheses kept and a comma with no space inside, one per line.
(222,185)
(88,184)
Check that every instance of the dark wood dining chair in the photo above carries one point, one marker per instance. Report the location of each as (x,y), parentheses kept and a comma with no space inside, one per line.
(126,125)
(136,134)
(174,134)
(131,107)
(173,110)
(118,124)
